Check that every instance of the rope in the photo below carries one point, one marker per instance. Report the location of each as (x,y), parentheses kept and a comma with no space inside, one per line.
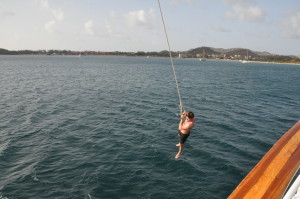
(181,108)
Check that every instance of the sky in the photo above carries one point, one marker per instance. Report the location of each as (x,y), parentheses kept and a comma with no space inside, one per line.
(136,25)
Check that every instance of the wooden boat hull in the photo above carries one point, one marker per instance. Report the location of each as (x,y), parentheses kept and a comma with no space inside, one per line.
(270,177)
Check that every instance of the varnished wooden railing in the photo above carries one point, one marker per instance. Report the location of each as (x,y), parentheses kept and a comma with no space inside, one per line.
(270,177)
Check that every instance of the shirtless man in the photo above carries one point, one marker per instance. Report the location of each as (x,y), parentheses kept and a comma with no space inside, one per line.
(186,124)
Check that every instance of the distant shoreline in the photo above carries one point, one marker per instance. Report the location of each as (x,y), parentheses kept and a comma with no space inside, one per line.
(204,52)
(75,55)
(264,62)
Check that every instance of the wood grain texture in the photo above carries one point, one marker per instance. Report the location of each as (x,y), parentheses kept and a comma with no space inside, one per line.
(270,177)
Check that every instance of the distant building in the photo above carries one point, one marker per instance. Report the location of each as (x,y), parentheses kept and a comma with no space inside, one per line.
(181,55)
(237,56)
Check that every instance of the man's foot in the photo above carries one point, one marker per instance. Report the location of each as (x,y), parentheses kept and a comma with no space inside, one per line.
(177,155)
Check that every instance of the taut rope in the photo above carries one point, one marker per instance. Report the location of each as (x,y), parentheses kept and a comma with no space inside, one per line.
(171,59)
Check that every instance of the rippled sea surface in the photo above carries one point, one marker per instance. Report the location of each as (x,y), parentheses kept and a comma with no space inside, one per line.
(105,126)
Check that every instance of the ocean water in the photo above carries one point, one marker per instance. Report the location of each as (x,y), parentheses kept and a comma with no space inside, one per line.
(105,126)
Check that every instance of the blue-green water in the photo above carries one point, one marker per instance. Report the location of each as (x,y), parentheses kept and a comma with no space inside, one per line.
(105,127)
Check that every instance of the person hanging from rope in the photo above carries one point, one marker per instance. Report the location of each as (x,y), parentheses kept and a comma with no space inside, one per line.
(186,124)
(187,119)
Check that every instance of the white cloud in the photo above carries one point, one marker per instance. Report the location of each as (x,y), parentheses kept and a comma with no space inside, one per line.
(176,2)
(291,25)
(44,3)
(136,18)
(251,13)
(140,18)
(112,14)
(89,27)
(124,25)
(115,26)
(58,14)
(50,27)
(244,10)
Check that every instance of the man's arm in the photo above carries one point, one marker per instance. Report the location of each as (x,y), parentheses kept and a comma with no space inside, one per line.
(182,118)
(181,123)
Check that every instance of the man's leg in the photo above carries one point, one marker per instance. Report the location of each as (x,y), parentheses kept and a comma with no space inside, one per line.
(179,135)
(179,151)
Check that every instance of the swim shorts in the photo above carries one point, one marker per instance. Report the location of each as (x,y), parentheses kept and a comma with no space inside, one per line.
(183,137)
